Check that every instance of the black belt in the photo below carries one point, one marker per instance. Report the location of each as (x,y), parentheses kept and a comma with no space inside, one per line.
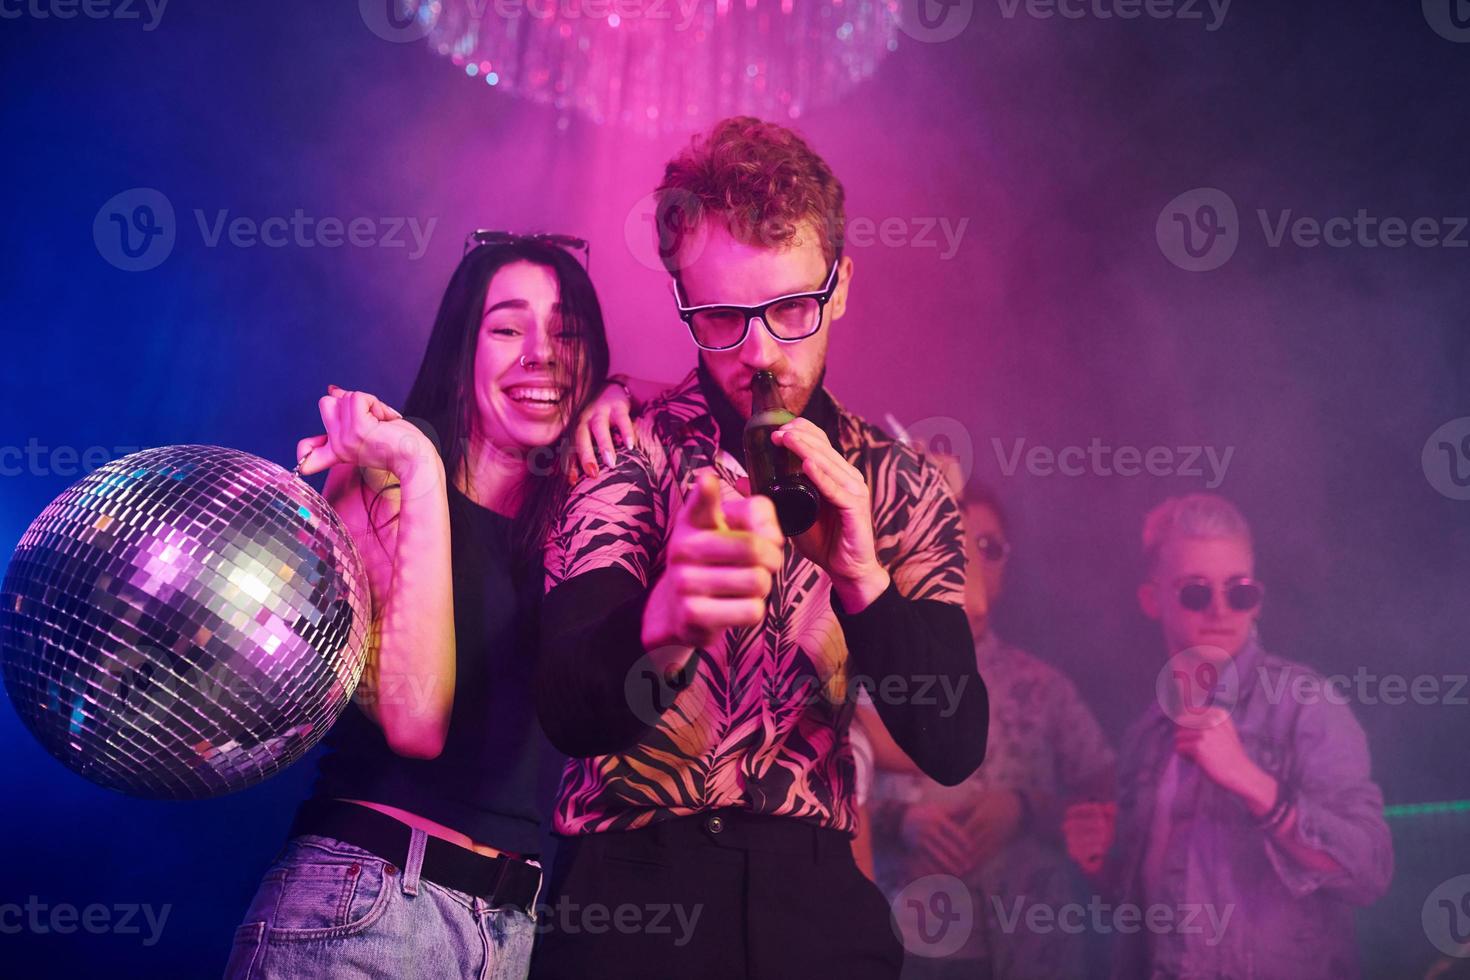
(500,881)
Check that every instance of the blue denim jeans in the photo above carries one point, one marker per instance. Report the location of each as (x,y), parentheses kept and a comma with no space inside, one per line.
(329,909)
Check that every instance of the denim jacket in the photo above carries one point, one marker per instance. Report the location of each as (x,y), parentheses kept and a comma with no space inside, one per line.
(1258,913)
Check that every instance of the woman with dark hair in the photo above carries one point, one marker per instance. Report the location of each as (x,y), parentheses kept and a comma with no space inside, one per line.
(415,855)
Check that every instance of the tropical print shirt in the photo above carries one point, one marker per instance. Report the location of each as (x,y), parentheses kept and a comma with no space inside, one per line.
(762,724)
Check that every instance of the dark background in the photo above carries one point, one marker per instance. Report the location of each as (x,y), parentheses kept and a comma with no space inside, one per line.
(1059,319)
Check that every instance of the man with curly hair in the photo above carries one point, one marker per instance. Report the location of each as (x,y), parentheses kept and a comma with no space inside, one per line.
(699,666)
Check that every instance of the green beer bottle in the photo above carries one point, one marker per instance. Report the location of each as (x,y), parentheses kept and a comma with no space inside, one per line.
(775,470)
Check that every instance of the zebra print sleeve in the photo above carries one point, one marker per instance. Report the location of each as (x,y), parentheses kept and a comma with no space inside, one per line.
(601,559)
(617,519)
(917,527)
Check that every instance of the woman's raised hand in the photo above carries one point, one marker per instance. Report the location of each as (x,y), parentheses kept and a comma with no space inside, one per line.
(362,431)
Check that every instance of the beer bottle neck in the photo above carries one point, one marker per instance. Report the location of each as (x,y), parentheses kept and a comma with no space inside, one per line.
(765,396)
(730,421)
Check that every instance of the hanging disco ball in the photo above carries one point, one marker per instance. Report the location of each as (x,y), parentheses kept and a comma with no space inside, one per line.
(184,622)
(663,67)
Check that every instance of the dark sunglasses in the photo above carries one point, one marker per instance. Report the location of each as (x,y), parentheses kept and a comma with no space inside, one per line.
(1241,594)
(992,548)
(570,243)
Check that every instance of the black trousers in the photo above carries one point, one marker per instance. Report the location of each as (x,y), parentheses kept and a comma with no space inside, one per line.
(726,895)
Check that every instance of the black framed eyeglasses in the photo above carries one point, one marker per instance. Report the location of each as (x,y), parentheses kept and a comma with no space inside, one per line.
(992,547)
(789,318)
(1241,594)
(571,243)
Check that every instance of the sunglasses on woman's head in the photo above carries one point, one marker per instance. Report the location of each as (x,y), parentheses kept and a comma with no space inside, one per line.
(570,243)
(992,547)
(1241,594)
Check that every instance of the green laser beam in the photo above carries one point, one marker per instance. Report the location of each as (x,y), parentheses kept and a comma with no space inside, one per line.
(1425,809)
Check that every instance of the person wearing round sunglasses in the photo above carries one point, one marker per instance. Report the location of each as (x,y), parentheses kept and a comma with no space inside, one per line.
(416,854)
(1237,794)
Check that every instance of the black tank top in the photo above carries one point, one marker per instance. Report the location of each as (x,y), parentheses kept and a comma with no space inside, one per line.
(485,782)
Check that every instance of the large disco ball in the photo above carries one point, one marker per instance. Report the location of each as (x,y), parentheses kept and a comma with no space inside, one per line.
(184,622)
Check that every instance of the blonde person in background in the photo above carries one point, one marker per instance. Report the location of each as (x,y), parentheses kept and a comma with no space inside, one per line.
(998,833)
(1236,799)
